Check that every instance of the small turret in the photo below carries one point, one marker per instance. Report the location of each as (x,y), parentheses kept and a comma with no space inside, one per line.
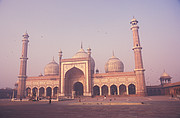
(97,71)
(165,78)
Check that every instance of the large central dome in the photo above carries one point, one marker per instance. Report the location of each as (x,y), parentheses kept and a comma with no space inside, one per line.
(82,54)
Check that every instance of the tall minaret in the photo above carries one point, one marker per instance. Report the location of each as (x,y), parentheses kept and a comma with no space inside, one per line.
(23,65)
(90,72)
(60,61)
(139,70)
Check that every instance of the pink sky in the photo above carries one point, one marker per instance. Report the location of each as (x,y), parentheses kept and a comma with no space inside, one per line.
(102,25)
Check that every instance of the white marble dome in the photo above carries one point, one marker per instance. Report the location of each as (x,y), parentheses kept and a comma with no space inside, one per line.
(82,54)
(51,68)
(114,65)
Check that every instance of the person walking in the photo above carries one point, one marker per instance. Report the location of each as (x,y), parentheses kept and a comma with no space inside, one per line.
(50,100)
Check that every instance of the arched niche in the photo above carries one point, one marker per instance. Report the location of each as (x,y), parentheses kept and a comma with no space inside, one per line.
(71,77)
(78,89)
(96,91)
(132,89)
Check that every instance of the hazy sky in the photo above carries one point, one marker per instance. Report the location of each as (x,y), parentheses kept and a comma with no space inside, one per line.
(102,25)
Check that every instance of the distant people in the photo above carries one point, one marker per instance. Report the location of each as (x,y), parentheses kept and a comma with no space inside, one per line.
(79,99)
(104,97)
(50,100)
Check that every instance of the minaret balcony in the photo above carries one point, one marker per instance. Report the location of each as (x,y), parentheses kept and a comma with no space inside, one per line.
(137,47)
(22,76)
(141,69)
(134,27)
(24,58)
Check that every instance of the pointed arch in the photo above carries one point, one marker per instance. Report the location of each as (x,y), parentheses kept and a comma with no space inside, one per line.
(78,88)
(55,91)
(113,89)
(48,91)
(74,72)
(41,92)
(28,92)
(34,92)
(122,89)
(73,69)
(132,89)
(72,76)
(104,89)
(96,90)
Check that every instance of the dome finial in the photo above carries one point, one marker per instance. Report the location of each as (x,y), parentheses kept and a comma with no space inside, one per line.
(81,45)
(25,35)
(53,58)
(113,52)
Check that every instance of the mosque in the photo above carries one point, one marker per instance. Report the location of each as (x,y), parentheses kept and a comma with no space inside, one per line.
(76,76)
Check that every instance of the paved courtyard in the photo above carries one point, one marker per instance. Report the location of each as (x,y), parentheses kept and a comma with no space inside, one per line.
(112,107)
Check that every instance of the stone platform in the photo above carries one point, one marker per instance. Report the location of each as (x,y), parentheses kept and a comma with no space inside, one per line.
(113,107)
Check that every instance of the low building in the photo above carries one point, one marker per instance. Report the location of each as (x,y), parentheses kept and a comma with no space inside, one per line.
(165,88)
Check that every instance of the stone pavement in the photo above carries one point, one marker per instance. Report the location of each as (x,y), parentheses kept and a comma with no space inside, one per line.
(152,107)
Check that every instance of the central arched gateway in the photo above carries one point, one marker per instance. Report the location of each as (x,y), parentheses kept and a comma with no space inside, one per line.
(78,89)
(74,81)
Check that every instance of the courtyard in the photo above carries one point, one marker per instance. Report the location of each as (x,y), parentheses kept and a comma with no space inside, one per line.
(98,107)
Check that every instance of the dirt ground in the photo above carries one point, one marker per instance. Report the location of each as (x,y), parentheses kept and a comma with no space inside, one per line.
(111,107)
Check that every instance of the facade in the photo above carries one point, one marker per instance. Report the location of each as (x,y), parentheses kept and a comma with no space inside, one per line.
(75,76)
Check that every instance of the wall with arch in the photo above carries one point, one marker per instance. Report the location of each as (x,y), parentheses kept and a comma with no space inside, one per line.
(114,85)
(41,92)
(42,86)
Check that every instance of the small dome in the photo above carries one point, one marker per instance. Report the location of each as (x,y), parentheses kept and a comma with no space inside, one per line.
(51,68)
(165,75)
(25,35)
(82,54)
(114,65)
(134,21)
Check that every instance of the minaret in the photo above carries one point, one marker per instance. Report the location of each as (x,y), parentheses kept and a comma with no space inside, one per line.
(139,70)
(90,72)
(23,66)
(60,61)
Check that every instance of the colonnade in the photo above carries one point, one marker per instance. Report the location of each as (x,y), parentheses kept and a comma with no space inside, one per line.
(41,92)
(114,90)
